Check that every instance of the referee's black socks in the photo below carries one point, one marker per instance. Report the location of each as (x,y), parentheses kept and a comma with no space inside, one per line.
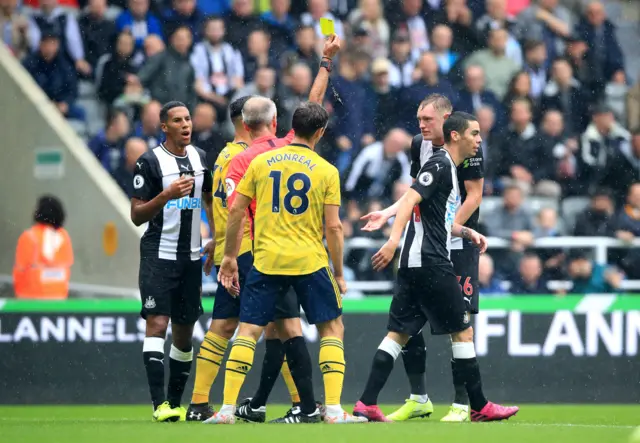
(414,355)
(153,357)
(466,371)
(179,370)
(301,371)
(382,366)
(271,365)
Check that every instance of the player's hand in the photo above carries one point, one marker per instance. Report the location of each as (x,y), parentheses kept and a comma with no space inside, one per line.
(209,250)
(331,46)
(375,220)
(384,256)
(180,188)
(479,240)
(342,285)
(228,275)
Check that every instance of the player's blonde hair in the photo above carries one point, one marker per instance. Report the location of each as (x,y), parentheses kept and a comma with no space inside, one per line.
(440,103)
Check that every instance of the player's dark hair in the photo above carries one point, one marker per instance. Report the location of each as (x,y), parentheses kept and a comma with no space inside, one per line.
(308,118)
(457,122)
(164,112)
(49,211)
(235,108)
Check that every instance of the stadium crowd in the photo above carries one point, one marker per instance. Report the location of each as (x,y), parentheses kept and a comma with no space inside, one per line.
(546,79)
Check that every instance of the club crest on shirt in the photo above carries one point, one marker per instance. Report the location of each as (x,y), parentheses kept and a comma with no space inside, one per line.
(425,179)
(231,186)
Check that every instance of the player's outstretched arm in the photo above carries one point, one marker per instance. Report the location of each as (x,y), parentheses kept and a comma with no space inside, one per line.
(235,225)
(474,237)
(319,87)
(405,208)
(377,219)
(335,243)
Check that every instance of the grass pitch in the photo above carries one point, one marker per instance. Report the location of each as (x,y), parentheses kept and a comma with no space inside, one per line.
(118,424)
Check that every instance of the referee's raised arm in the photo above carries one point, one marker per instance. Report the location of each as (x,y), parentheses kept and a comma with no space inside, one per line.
(319,87)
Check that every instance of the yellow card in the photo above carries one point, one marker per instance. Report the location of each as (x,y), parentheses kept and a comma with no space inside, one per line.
(326,26)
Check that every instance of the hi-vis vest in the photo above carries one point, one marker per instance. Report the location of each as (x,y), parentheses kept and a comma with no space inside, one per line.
(44,256)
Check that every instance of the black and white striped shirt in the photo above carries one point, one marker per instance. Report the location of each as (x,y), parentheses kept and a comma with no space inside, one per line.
(175,231)
(428,237)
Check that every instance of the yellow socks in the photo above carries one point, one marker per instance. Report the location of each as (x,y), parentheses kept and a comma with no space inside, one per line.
(288,379)
(238,365)
(332,365)
(208,363)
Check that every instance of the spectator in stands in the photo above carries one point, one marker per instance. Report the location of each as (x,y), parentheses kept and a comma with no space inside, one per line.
(133,149)
(52,19)
(377,167)
(633,106)
(206,133)
(349,113)
(602,138)
(486,119)
(474,95)
(293,90)
(402,65)
(441,40)
(148,129)
(525,154)
(44,254)
(139,21)
(153,45)
(55,75)
(615,95)
(494,60)
(214,7)
(623,166)
(497,17)
(412,22)
(318,9)
(117,70)
(241,21)
(511,221)
(529,280)
(183,13)
(535,64)
(429,82)
(169,75)
(258,54)
(597,220)
(565,94)
(564,150)
(456,15)
(488,283)
(98,32)
(107,144)
(628,220)
(519,88)
(305,50)
(384,99)
(604,53)
(18,32)
(589,278)
(369,17)
(547,225)
(280,25)
(546,21)
(264,84)
(219,68)
(577,54)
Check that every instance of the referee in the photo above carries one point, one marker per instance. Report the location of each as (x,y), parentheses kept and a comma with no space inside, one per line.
(171,184)
(427,289)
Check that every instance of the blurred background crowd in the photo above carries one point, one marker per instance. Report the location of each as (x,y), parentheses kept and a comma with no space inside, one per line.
(557,101)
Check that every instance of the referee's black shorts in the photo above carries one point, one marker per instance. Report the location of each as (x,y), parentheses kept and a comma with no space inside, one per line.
(465,264)
(171,288)
(428,294)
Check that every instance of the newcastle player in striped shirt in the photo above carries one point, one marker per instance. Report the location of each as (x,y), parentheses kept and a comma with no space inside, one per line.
(427,289)
(171,185)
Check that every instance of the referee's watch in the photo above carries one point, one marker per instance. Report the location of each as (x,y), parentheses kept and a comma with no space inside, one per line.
(326,64)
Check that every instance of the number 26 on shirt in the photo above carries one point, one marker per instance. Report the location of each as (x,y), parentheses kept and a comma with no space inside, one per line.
(292,192)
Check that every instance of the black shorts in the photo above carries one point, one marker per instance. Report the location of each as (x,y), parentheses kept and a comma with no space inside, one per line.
(465,264)
(226,305)
(429,294)
(171,288)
